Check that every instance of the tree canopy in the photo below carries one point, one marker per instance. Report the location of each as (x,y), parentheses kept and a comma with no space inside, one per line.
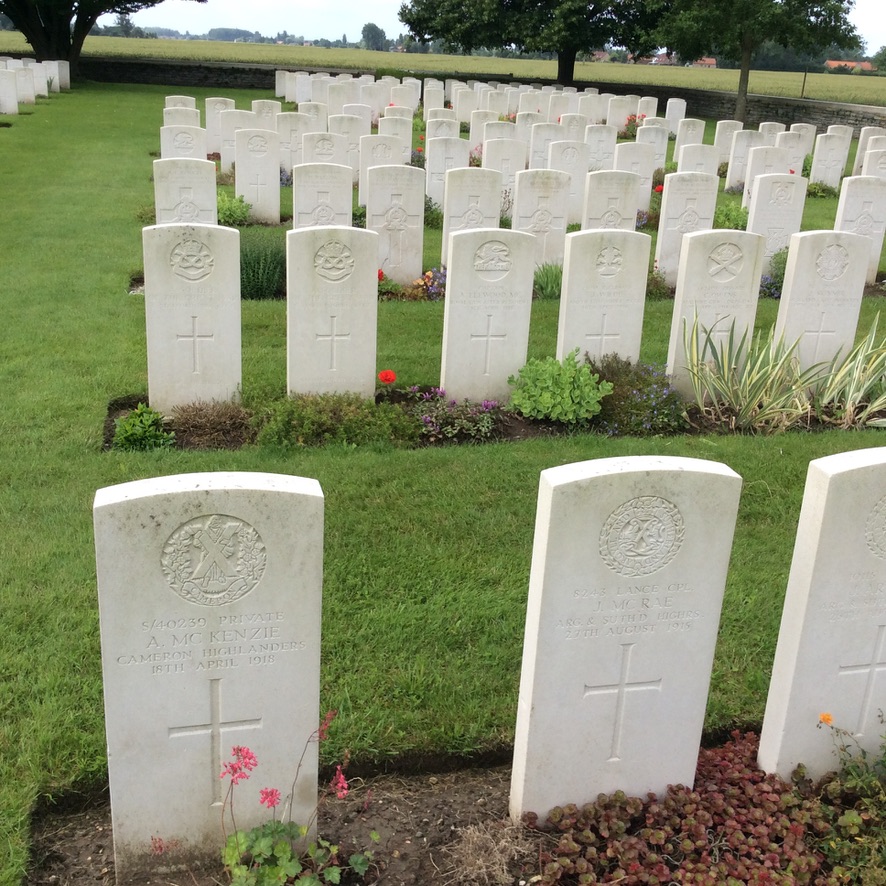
(736,30)
(56,29)
(374,37)
(566,27)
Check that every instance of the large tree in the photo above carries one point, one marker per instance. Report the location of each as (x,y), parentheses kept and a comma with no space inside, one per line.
(563,26)
(374,37)
(737,29)
(56,29)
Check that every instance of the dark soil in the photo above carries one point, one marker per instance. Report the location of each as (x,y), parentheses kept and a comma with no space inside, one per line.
(424,822)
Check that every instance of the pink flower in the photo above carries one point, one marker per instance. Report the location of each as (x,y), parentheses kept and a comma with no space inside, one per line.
(244,763)
(269,797)
(339,784)
(323,730)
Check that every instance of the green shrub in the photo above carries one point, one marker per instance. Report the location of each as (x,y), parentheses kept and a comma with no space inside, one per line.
(772,283)
(807,166)
(142,429)
(442,420)
(233,212)
(358,219)
(819,189)
(566,392)
(433,214)
(642,402)
(334,419)
(547,282)
(262,263)
(731,214)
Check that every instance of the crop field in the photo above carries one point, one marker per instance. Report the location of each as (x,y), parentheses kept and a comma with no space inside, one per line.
(822,87)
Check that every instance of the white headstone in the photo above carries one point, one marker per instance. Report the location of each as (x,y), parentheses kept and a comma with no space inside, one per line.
(181,117)
(690,131)
(185,192)
(486,313)
(479,119)
(24,83)
(638,158)
(509,156)
(808,132)
(524,122)
(718,284)
(441,155)
(862,210)
(628,572)
(209,589)
(471,199)
(829,159)
(603,293)
(257,173)
(395,209)
(266,110)
(540,136)
(8,93)
(612,200)
(602,140)
(617,112)
(698,157)
(687,204)
(230,122)
(398,127)
(657,136)
(675,111)
(353,128)
(324,147)
(573,158)
(378,150)
(180,101)
(182,141)
(192,314)
(291,128)
(332,305)
(874,164)
(776,211)
(212,111)
(742,142)
(792,144)
(322,195)
(541,201)
(821,296)
(831,650)
(763,160)
(770,130)
(864,137)
(723,134)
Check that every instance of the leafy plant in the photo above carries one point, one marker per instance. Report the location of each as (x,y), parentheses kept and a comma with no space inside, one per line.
(262,264)
(141,430)
(642,402)
(433,214)
(358,218)
(731,214)
(547,282)
(853,392)
(657,288)
(232,211)
(851,810)
(567,392)
(388,290)
(444,420)
(748,384)
(772,283)
(417,158)
(334,419)
(631,124)
(820,189)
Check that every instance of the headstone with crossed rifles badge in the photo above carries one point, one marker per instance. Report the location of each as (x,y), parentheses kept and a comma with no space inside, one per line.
(209,597)
(192,313)
(831,652)
(332,307)
(718,284)
(822,292)
(628,571)
(486,313)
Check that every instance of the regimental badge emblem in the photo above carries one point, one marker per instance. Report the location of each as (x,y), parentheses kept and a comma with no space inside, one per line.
(832,262)
(641,536)
(875,530)
(191,259)
(724,262)
(257,144)
(492,260)
(333,261)
(609,261)
(214,560)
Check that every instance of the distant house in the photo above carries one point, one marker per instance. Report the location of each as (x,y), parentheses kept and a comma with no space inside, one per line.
(849,65)
(663,59)
(705,63)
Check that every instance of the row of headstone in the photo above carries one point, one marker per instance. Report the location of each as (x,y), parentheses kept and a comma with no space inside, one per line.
(22,80)
(216,641)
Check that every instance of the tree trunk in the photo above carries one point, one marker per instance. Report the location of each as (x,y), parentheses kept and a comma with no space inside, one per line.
(741,98)
(566,66)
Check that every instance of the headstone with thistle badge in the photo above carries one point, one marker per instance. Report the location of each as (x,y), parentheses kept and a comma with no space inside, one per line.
(209,599)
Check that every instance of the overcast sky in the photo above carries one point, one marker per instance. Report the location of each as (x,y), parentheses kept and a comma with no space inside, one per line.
(314,19)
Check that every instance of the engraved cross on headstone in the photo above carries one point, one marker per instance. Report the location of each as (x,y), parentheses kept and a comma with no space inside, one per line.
(195,338)
(488,338)
(332,338)
(621,688)
(601,336)
(818,333)
(870,669)
(215,729)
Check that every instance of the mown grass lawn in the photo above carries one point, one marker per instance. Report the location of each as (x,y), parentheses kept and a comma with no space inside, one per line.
(427,552)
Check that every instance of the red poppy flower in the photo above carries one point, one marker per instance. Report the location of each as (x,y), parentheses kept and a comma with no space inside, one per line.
(420,150)
(421,138)
(658,189)
(387,376)
(381,275)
